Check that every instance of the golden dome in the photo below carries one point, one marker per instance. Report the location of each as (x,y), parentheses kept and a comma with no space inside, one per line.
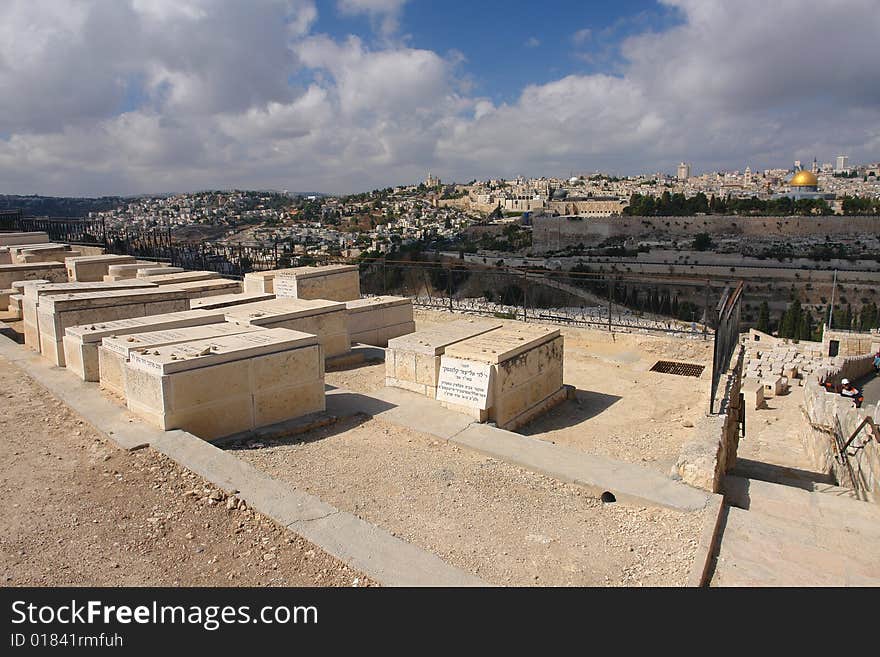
(804,179)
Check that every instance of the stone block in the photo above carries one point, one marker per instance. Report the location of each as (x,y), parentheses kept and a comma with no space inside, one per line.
(412,361)
(15,305)
(50,271)
(325,319)
(81,342)
(128,270)
(753,393)
(333,282)
(146,272)
(526,366)
(227,300)
(93,268)
(55,313)
(209,388)
(263,281)
(174,278)
(209,287)
(14,238)
(375,320)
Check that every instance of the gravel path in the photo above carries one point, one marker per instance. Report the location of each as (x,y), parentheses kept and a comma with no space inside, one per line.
(505,524)
(79,511)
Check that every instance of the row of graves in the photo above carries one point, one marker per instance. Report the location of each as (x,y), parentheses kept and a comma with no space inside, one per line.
(216,357)
(772,366)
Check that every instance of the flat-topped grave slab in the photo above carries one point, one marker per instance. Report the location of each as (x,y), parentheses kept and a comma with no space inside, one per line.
(7,239)
(159,270)
(128,270)
(50,271)
(508,376)
(227,300)
(208,288)
(326,319)
(412,362)
(81,342)
(226,385)
(263,281)
(55,313)
(172,278)
(333,282)
(94,267)
(114,352)
(35,290)
(376,320)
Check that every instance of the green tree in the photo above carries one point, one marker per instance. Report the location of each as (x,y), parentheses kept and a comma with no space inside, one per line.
(764,318)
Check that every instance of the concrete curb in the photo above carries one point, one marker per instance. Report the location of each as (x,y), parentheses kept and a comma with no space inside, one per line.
(710,536)
(365,547)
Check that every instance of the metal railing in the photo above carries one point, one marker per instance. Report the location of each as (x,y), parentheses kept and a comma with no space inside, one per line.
(726,337)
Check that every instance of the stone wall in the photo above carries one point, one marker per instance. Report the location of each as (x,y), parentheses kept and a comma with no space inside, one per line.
(850,343)
(703,462)
(832,420)
(554,233)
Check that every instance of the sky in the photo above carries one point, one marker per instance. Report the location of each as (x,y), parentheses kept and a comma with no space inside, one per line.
(106,97)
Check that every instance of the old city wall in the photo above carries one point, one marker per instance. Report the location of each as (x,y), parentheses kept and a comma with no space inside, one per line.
(553,233)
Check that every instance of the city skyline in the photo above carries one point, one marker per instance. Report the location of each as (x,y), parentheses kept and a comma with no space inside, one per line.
(123,98)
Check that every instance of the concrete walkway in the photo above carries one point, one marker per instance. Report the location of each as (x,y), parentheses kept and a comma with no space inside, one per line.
(626,481)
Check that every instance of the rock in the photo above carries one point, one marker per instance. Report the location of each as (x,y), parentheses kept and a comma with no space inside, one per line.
(231,503)
(687,423)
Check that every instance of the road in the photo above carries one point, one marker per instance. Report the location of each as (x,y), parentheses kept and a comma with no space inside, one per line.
(870,386)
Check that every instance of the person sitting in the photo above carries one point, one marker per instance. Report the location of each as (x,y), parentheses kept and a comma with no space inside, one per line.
(877,362)
(847,389)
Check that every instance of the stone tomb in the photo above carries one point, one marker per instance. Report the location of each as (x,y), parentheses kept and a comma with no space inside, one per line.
(209,288)
(15,305)
(128,270)
(35,290)
(81,342)
(412,362)
(94,267)
(332,282)
(175,278)
(227,300)
(58,312)
(263,281)
(326,319)
(115,351)
(214,388)
(144,272)
(11,239)
(376,320)
(49,271)
(508,376)
(42,253)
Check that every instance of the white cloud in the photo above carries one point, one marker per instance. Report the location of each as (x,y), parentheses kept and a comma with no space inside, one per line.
(533,42)
(130,96)
(386,13)
(581,36)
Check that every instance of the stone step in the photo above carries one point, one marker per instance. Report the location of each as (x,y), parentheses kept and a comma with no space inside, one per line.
(758,549)
(831,507)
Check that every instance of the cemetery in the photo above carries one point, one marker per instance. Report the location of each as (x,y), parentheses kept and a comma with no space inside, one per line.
(265,365)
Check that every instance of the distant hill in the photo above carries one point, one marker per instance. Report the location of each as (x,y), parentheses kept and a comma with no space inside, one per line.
(56,206)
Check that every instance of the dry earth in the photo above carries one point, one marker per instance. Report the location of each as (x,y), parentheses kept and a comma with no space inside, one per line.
(622,411)
(505,524)
(77,510)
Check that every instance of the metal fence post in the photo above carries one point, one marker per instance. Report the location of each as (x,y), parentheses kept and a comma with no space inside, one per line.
(525,296)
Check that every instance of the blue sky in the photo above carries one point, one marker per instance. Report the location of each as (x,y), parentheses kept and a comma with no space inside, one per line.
(136,96)
(507,45)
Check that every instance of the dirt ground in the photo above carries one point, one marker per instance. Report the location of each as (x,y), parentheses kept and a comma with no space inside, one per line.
(77,510)
(507,525)
(622,411)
